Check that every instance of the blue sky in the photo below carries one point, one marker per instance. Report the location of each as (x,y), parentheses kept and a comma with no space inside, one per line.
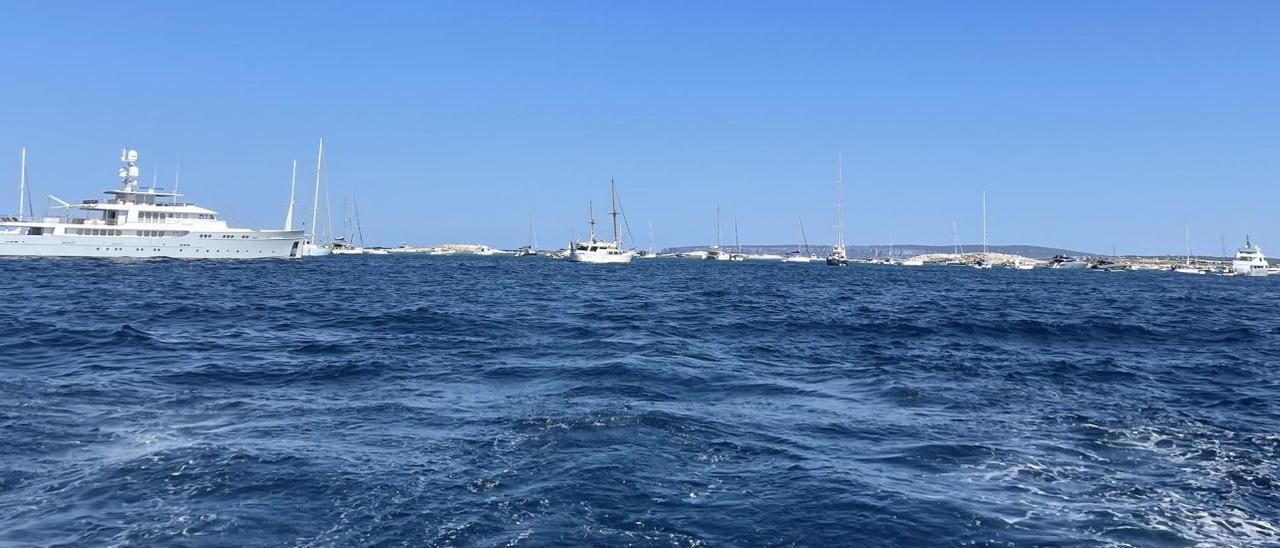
(1089,123)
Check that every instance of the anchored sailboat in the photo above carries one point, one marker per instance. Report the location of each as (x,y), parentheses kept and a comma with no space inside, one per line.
(311,248)
(984,263)
(717,253)
(595,250)
(839,256)
(796,256)
(530,250)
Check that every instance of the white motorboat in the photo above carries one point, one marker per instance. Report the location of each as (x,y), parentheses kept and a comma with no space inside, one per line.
(597,251)
(1250,260)
(140,222)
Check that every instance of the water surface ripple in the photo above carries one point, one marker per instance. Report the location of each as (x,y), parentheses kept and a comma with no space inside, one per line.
(414,400)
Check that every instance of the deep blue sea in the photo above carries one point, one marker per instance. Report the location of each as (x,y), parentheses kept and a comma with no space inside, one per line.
(442,401)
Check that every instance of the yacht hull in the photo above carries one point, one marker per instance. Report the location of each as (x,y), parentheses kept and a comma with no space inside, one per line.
(600,258)
(240,245)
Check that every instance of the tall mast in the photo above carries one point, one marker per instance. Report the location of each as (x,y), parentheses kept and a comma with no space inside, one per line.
(955,239)
(1187,231)
(840,201)
(591,222)
(651,245)
(533,240)
(613,196)
(315,195)
(803,238)
(293,183)
(984,224)
(736,242)
(22,185)
(717,226)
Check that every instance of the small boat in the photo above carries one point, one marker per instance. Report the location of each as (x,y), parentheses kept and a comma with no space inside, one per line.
(914,261)
(717,253)
(796,256)
(1020,264)
(648,253)
(530,250)
(1250,261)
(341,246)
(597,251)
(737,255)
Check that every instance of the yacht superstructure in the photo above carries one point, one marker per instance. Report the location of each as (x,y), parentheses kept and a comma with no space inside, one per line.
(1250,261)
(595,250)
(141,222)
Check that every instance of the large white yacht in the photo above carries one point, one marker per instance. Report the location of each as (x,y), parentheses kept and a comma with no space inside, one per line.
(141,222)
(1249,260)
(595,250)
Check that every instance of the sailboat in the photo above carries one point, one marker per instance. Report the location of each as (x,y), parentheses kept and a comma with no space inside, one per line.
(839,256)
(796,256)
(956,248)
(595,250)
(310,248)
(648,253)
(737,255)
(351,241)
(717,253)
(530,250)
(1186,267)
(984,263)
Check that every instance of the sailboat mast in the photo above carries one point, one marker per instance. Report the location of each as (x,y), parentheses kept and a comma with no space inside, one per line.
(651,243)
(803,238)
(840,201)
(315,195)
(591,222)
(984,224)
(293,183)
(717,226)
(736,242)
(1187,231)
(613,196)
(22,185)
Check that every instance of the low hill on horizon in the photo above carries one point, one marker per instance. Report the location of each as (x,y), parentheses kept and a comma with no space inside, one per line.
(905,250)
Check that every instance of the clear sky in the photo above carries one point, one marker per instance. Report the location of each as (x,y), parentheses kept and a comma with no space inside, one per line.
(1089,123)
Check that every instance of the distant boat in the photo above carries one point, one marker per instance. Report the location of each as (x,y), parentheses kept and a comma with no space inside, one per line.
(530,250)
(737,255)
(648,253)
(717,253)
(597,251)
(1250,261)
(984,263)
(1187,267)
(796,256)
(839,256)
